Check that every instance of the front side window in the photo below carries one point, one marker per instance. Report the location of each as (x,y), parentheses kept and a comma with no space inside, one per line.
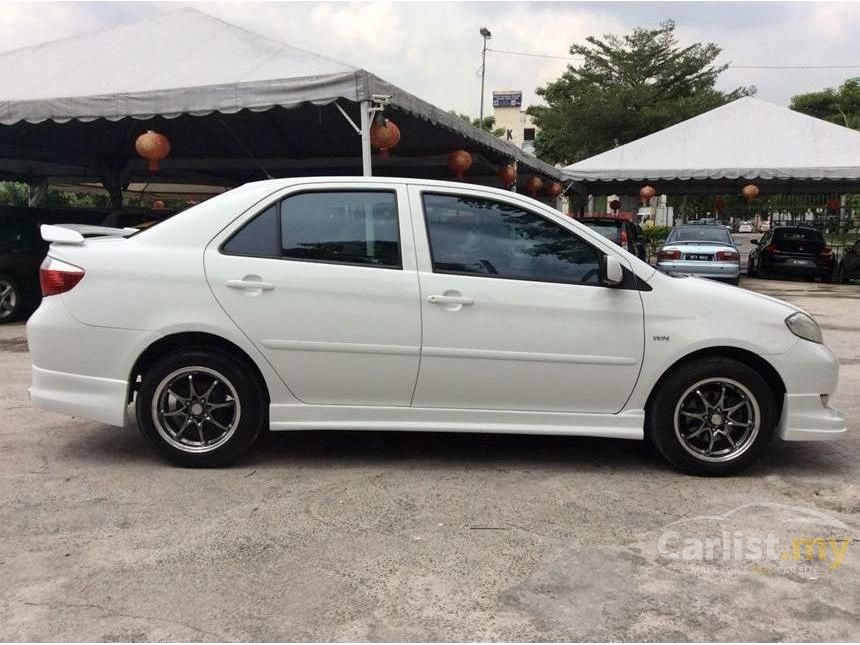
(343,227)
(475,236)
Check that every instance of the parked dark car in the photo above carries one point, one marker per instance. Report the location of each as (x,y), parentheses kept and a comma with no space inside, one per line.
(22,249)
(792,251)
(849,266)
(621,231)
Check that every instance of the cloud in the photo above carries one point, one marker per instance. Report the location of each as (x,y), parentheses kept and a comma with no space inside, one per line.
(434,50)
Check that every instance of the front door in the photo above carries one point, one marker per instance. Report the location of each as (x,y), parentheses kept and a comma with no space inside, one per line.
(324,283)
(513,312)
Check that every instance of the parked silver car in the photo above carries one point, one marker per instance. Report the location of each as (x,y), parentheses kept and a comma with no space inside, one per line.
(704,250)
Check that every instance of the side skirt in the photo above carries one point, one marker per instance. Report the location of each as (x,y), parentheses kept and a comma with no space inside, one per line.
(625,425)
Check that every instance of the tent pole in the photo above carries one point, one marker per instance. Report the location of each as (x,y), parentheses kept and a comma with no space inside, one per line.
(366,164)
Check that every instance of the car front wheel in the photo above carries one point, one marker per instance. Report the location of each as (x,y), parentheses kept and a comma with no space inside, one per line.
(712,416)
(200,408)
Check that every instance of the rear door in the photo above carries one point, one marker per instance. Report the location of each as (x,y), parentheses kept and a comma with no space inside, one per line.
(323,281)
(514,316)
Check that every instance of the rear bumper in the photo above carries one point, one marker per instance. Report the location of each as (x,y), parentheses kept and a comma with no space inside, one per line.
(720,270)
(786,266)
(89,397)
(805,417)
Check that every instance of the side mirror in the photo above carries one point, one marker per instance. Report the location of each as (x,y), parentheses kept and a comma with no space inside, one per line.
(754,242)
(611,273)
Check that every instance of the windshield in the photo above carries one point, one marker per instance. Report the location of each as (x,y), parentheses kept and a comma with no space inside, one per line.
(707,234)
(606,229)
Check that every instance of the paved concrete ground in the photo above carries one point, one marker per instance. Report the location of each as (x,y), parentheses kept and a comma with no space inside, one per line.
(390,536)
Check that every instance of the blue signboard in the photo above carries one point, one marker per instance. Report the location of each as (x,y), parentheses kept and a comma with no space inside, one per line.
(507,99)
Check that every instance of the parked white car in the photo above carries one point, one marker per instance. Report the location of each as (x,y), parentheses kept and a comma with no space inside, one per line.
(401,304)
(745,227)
(704,250)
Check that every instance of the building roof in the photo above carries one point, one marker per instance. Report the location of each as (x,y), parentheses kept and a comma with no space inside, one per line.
(745,139)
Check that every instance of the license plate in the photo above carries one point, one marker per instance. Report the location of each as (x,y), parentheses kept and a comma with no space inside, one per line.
(703,257)
(800,262)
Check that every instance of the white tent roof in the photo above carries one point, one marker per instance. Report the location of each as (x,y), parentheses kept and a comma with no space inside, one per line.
(745,139)
(187,62)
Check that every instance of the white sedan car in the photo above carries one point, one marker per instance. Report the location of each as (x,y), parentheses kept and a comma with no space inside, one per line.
(403,304)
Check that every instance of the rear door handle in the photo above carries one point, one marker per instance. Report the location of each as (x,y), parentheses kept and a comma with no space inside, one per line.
(250,285)
(450,300)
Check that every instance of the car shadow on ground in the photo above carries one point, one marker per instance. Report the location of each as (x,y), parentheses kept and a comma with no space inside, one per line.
(332,448)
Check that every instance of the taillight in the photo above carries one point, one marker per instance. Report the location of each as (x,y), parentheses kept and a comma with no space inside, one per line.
(771,248)
(726,256)
(826,251)
(671,254)
(56,276)
(623,238)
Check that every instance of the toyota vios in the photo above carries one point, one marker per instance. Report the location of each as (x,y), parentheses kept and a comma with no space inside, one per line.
(400,304)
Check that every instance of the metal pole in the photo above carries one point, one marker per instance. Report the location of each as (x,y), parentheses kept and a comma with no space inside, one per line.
(366,163)
(483,74)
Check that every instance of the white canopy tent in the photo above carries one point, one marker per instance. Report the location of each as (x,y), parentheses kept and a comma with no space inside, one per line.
(747,139)
(185,63)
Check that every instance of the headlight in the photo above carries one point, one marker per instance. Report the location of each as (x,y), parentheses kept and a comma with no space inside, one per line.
(804,326)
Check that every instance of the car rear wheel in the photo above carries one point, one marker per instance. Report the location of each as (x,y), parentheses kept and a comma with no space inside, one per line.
(200,408)
(10,299)
(712,417)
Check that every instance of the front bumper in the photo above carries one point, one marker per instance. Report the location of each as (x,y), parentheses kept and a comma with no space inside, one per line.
(719,270)
(805,417)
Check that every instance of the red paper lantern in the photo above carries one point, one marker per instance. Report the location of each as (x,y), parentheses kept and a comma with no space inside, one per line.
(614,205)
(459,162)
(553,189)
(719,204)
(533,185)
(646,193)
(152,146)
(508,175)
(384,136)
(750,192)
(833,205)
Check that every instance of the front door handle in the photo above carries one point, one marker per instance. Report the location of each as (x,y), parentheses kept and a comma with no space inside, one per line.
(450,300)
(250,285)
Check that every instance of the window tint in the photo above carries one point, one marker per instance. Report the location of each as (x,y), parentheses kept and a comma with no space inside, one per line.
(481,237)
(259,237)
(347,227)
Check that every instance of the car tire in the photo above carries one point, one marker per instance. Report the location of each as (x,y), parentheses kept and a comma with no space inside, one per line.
(751,272)
(11,299)
(201,408)
(701,402)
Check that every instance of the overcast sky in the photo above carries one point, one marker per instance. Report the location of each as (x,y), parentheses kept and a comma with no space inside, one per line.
(434,49)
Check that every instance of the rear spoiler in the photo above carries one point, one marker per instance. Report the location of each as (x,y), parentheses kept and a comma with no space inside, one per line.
(77,233)
(60,234)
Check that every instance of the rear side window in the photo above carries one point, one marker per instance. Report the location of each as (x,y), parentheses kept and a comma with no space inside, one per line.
(258,238)
(475,236)
(344,227)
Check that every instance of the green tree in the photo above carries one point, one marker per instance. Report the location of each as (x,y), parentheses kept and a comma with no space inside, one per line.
(840,106)
(625,88)
(488,124)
